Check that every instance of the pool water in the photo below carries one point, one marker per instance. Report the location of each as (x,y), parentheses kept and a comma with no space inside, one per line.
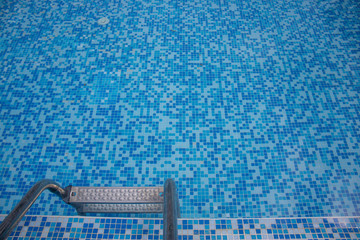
(251,106)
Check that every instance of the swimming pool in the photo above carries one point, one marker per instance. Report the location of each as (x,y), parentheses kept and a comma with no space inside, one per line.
(251,106)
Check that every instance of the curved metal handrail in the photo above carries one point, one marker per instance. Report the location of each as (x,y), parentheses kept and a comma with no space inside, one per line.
(11,221)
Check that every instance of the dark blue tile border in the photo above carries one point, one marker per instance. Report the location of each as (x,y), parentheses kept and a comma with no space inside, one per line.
(54,227)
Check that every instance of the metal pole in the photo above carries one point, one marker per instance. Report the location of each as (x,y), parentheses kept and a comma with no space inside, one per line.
(171,211)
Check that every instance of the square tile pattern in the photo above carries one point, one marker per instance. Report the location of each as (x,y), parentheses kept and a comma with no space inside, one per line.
(251,106)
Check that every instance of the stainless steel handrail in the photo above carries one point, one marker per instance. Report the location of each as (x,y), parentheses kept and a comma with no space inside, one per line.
(11,221)
(171,210)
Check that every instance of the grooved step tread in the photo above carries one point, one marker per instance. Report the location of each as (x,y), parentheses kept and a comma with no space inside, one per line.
(119,195)
(121,208)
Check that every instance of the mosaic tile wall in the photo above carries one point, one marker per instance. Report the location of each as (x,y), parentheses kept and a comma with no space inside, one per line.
(38,227)
(251,106)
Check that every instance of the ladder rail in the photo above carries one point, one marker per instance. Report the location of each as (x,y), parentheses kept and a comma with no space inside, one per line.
(11,221)
(171,211)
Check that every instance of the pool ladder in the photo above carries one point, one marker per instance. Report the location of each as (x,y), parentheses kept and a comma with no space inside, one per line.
(105,200)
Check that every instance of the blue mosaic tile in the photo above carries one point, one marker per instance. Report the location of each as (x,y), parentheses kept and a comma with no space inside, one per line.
(52,227)
(251,106)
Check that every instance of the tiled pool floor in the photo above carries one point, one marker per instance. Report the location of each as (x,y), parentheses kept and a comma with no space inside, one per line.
(251,106)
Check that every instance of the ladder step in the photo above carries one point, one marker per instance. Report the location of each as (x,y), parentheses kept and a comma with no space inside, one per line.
(103,195)
(121,208)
